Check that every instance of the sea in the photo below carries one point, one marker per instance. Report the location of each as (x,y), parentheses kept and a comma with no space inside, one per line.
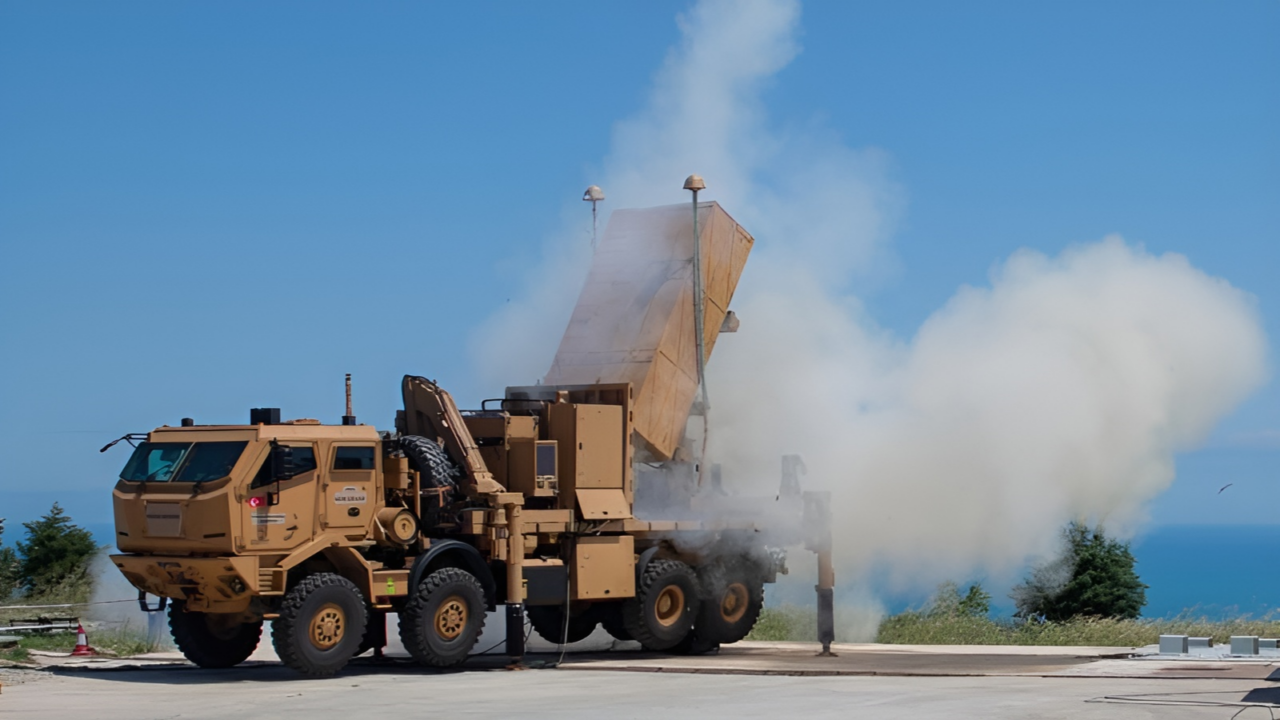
(1212,571)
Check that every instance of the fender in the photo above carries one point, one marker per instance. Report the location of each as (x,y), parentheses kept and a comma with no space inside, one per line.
(454,553)
(643,562)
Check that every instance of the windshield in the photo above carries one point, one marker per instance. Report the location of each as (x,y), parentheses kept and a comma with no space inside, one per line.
(182,462)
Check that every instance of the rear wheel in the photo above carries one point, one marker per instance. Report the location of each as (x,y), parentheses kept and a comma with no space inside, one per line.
(666,603)
(441,622)
(548,622)
(212,640)
(612,621)
(322,622)
(733,596)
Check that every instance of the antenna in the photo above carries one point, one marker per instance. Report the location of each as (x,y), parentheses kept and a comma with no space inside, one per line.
(593,195)
(695,183)
(349,418)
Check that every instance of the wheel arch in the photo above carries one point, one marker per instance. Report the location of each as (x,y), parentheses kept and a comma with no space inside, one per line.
(456,554)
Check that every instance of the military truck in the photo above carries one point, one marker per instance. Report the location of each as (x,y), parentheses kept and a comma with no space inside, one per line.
(529,501)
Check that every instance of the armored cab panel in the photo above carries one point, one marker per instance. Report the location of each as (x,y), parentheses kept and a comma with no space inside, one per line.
(634,319)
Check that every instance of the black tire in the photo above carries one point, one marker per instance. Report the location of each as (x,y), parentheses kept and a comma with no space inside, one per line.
(431,461)
(696,644)
(442,620)
(371,638)
(321,625)
(665,606)
(612,621)
(548,622)
(211,641)
(732,598)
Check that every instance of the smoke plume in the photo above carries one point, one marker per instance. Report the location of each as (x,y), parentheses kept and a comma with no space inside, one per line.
(1060,389)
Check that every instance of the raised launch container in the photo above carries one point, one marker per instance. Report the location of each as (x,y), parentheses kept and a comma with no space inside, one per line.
(634,319)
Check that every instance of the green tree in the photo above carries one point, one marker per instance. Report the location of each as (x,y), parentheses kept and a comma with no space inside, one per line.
(55,549)
(1094,576)
(8,568)
(947,600)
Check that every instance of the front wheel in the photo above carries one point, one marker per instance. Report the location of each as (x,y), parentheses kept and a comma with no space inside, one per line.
(441,622)
(321,624)
(212,640)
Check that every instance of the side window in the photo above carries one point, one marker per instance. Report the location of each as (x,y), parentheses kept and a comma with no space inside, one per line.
(353,458)
(304,461)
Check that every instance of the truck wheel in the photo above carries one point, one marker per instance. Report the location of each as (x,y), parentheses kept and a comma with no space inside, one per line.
(441,622)
(612,622)
(548,622)
(322,621)
(695,643)
(431,461)
(212,640)
(732,598)
(666,603)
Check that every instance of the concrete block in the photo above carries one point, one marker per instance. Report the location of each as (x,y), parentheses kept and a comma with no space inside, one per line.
(1268,644)
(1199,642)
(1173,644)
(1244,644)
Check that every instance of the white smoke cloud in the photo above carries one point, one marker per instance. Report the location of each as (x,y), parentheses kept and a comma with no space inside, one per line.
(834,205)
(1062,390)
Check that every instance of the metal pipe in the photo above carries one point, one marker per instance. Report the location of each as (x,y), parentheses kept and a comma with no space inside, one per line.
(593,195)
(695,183)
(349,418)
(515,585)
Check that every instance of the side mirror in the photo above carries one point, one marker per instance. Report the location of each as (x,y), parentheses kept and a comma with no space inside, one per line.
(282,468)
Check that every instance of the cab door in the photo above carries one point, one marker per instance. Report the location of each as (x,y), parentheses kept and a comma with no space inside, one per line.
(291,520)
(350,488)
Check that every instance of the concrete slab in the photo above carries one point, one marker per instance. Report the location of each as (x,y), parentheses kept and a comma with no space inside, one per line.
(801,659)
(271,691)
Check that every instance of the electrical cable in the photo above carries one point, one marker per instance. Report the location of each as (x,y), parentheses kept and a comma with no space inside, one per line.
(489,649)
(1170,699)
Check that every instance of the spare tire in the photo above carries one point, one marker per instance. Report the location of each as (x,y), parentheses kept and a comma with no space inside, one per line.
(431,461)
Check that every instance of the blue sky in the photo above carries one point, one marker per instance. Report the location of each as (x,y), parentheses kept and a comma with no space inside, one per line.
(209,208)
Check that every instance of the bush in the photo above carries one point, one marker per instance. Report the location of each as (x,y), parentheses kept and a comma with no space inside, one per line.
(8,568)
(915,628)
(54,552)
(1093,577)
(947,600)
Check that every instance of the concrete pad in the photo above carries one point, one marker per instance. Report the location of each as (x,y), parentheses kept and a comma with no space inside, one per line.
(801,659)
(271,691)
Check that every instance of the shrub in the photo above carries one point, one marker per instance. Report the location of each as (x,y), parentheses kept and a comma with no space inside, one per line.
(8,568)
(1093,577)
(55,551)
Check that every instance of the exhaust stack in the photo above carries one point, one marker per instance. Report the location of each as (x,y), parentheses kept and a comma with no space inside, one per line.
(349,418)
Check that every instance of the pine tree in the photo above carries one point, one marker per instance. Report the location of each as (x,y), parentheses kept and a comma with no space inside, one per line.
(1094,576)
(8,568)
(55,549)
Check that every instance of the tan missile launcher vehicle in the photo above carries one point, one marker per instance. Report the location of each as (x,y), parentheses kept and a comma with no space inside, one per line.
(529,502)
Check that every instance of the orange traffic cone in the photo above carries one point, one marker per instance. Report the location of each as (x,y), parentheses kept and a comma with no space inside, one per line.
(82,648)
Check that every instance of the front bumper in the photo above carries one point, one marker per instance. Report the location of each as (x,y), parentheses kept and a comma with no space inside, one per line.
(208,584)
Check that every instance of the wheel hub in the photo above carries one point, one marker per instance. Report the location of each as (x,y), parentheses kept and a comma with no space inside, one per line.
(669,605)
(451,618)
(733,604)
(328,626)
